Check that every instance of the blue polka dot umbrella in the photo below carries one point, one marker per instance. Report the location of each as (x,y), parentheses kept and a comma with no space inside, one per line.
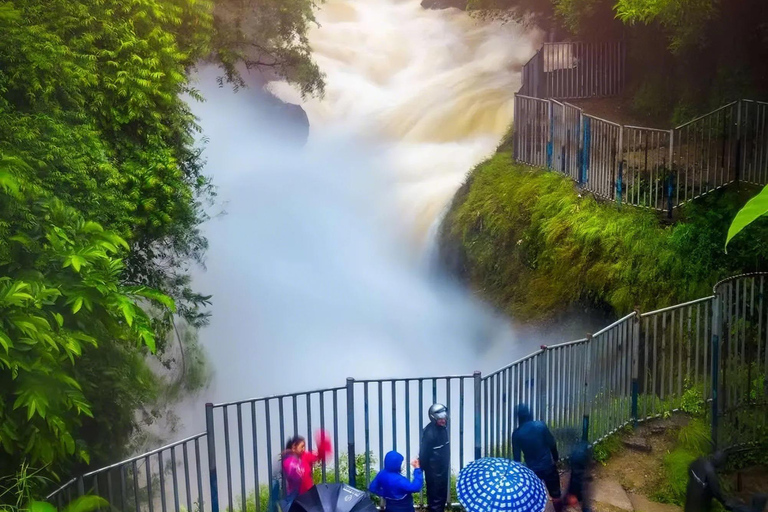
(500,485)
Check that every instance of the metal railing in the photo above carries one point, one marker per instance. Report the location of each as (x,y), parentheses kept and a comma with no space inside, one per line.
(741,401)
(173,477)
(575,70)
(645,167)
(711,350)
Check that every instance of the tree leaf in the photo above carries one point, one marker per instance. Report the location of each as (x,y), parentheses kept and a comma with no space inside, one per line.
(753,210)
(5,342)
(86,504)
(41,506)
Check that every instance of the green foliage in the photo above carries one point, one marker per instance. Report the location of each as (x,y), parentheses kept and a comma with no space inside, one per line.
(693,401)
(270,35)
(693,442)
(360,470)
(81,504)
(672,485)
(60,293)
(652,99)
(20,488)
(684,19)
(609,446)
(533,245)
(577,15)
(102,199)
(754,209)
(695,436)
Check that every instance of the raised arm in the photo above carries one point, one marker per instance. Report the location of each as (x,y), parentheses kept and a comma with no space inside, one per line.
(416,484)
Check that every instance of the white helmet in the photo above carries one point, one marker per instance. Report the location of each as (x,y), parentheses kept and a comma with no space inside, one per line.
(438,412)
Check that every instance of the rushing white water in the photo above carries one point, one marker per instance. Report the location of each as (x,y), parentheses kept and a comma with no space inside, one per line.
(436,86)
(316,270)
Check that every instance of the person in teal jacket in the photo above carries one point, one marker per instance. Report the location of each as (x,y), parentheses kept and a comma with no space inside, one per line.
(396,489)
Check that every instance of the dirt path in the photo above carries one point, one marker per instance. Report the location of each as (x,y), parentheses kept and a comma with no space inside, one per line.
(627,481)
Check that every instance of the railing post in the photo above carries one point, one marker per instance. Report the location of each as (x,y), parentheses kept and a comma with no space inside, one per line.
(670,190)
(550,133)
(620,158)
(587,399)
(211,441)
(515,131)
(739,152)
(351,431)
(544,406)
(478,384)
(672,163)
(636,365)
(587,135)
(716,336)
(619,182)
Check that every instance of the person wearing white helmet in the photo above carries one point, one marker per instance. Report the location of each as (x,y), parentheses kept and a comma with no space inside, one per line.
(434,457)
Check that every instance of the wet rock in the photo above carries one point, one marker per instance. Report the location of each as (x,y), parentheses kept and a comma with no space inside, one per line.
(444,4)
(297,120)
(611,493)
(638,444)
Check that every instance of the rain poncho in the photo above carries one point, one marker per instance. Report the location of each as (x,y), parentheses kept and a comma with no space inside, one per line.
(396,489)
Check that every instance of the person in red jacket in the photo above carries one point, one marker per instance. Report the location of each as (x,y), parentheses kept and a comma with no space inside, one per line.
(297,464)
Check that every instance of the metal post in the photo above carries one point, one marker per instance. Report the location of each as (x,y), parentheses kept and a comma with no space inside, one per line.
(737,163)
(716,333)
(672,161)
(619,182)
(542,385)
(587,400)
(515,131)
(670,189)
(351,430)
(478,381)
(212,457)
(550,133)
(636,365)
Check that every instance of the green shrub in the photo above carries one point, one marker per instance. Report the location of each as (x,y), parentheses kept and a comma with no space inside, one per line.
(533,245)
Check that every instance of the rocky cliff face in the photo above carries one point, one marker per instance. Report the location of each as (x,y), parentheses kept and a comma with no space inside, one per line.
(444,4)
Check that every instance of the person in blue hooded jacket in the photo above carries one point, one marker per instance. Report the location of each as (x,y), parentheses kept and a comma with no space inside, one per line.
(538,445)
(396,489)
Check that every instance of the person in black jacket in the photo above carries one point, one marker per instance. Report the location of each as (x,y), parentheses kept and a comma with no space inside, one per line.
(580,464)
(704,485)
(435,458)
(533,440)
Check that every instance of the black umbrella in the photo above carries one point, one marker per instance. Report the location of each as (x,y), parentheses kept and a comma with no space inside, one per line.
(333,498)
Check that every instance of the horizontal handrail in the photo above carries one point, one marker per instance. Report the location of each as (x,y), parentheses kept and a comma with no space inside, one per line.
(708,114)
(614,324)
(510,365)
(412,379)
(629,126)
(677,306)
(276,397)
(734,278)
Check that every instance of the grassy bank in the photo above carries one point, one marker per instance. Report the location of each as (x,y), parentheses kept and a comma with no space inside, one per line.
(529,243)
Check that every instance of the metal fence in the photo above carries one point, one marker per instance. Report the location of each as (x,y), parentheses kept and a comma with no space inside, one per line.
(713,350)
(575,70)
(741,356)
(173,477)
(645,167)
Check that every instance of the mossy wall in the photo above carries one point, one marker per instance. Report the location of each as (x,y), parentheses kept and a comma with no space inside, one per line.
(528,242)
